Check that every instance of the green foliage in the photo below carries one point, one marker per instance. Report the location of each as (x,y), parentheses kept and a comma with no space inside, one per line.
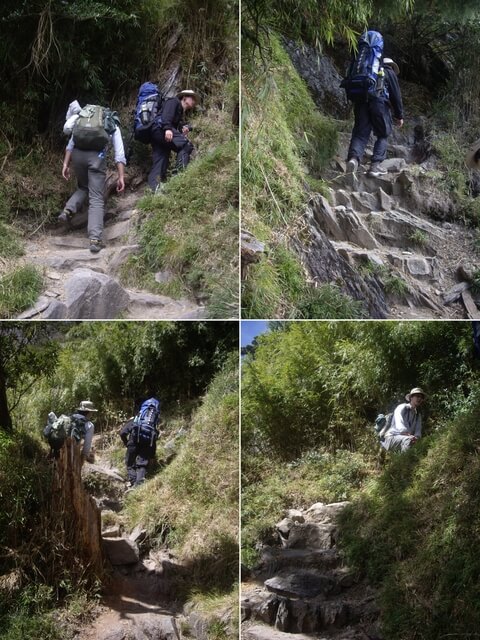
(419,238)
(412,533)
(318,476)
(192,231)
(10,244)
(19,289)
(327,302)
(195,500)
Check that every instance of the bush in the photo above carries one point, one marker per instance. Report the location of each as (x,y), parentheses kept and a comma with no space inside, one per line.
(19,289)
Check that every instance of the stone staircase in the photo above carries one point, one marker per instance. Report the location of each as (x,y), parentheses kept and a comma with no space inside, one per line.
(398,261)
(303,589)
(84,285)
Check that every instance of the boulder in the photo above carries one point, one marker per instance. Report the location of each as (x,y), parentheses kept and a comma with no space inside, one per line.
(56,310)
(117,230)
(394,165)
(260,632)
(95,296)
(121,551)
(385,201)
(325,513)
(295,515)
(364,202)
(418,267)
(41,305)
(164,277)
(311,535)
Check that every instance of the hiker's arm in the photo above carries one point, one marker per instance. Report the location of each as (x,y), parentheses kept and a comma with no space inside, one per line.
(395,97)
(66,164)
(169,113)
(120,159)
(418,427)
(87,443)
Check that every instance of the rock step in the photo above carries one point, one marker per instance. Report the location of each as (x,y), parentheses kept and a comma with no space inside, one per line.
(274,559)
(302,615)
(303,583)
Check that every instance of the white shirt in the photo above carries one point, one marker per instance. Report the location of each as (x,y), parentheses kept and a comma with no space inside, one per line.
(406,420)
(87,443)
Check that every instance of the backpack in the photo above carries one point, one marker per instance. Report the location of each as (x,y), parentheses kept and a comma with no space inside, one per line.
(382,425)
(93,127)
(144,429)
(57,430)
(149,102)
(78,426)
(366,76)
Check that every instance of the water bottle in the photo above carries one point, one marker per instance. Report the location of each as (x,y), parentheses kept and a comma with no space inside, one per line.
(144,113)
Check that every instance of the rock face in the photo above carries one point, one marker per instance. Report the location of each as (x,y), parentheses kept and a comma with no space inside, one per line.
(307,589)
(321,76)
(121,551)
(94,295)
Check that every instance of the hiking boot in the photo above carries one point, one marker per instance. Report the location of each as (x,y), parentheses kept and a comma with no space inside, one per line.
(96,245)
(376,170)
(352,165)
(65,217)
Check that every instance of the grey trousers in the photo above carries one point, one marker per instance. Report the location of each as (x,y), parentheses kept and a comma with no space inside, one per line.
(90,171)
(397,443)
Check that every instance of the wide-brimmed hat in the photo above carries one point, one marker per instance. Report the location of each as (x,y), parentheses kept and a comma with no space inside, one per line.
(472,159)
(390,63)
(415,392)
(187,93)
(86,405)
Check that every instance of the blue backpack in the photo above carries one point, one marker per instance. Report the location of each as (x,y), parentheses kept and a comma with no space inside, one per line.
(149,102)
(145,423)
(366,76)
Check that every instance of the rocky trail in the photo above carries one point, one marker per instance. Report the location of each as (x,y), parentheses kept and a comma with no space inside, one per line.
(302,588)
(141,600)
(80,284)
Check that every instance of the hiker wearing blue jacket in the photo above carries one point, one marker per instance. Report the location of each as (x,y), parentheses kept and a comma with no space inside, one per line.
(139,435)
(406,426)
(375,114)
(170,133)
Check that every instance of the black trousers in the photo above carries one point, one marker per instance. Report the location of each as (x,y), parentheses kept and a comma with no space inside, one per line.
(136,459)
(371,116)
(161,155)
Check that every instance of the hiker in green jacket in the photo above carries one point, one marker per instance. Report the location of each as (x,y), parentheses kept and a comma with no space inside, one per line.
(406,426)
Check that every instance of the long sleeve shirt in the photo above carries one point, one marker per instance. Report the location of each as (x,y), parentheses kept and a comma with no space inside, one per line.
(406,421)
(172,114)
(87,442)
(395,95)
(117,141)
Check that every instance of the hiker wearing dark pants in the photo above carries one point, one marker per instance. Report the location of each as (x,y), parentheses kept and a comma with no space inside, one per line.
(137,456)
(90,169)
(375,115)
(170,134)
(406,425)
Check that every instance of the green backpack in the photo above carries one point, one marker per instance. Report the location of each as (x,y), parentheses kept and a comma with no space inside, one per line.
(57,430)
(93,128)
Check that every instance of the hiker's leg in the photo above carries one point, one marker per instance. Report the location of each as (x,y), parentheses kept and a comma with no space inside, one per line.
(361,132)
(80,168)
(382,128)
(160,159)
(184,148)
(397,443)
(130,461)
(142,464)
(97,173)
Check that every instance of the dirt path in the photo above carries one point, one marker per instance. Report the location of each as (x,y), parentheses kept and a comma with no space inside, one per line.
(80,284)
(140,601)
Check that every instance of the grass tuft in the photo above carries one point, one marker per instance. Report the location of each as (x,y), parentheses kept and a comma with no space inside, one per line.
(19,290)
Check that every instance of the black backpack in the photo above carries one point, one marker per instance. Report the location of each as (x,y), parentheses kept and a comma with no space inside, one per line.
(78,426)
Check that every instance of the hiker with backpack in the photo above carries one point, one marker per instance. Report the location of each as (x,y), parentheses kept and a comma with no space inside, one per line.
(170,133)
(91,129)
(77,426)
(372,85)
(405,427)
(139,435)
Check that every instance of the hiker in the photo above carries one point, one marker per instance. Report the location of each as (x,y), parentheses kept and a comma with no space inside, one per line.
(87,150)
(139,435)
(406,426)
(373,107)
(170,133)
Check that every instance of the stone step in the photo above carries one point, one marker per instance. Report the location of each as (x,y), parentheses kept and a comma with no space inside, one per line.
(276,559)
(261,632)
(116,230)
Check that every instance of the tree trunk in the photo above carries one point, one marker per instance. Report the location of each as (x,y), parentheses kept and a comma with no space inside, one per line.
(5,418)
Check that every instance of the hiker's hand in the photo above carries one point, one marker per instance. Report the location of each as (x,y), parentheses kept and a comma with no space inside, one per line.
(66,172)
(120,184)
(399,122)
(186,130)
(168,135)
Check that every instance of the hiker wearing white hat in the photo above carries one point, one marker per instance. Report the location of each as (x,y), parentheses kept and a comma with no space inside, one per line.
(406,426)
(170,133)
